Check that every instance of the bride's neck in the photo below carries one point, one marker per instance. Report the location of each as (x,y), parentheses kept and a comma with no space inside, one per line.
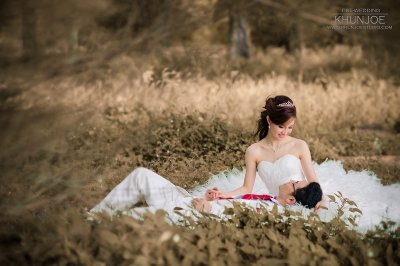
(273,141)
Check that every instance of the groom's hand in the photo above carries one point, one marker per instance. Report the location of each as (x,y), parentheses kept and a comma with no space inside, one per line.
(320,206)
(201,205)
(213,193)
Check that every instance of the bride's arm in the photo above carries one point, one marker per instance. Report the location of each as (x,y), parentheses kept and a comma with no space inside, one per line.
(309,172)
(306,163)
(249,179)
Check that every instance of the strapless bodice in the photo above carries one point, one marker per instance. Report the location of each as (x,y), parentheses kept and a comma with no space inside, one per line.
(286,168)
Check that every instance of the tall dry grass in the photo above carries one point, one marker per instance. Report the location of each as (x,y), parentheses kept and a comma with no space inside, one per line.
(328,88)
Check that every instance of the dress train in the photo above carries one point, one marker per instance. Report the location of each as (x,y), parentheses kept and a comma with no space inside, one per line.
(376,201)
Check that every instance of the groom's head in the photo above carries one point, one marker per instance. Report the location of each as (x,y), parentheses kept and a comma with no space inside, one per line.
(307,194)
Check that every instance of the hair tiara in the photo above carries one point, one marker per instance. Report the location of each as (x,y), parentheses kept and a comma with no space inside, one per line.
(286,104)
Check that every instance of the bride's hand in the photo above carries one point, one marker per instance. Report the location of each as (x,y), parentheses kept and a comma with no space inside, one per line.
(213,193)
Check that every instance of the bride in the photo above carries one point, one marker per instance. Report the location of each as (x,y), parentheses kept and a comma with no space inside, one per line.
(278,165)
(277,157)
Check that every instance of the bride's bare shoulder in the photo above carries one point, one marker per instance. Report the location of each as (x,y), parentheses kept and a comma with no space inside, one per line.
(253,153)
(300,144)
(254,149)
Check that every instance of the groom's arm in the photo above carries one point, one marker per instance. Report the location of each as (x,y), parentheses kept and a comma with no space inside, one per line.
(216,207)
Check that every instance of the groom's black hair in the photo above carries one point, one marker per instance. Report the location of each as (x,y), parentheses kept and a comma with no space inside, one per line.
(309,195)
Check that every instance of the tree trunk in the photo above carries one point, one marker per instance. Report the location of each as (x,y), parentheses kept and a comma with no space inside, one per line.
(29,41)
(239,37)
(74,38)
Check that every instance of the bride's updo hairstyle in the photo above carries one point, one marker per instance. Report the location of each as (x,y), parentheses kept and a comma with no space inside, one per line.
(279,109)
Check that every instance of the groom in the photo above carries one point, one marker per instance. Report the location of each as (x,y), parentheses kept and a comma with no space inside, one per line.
(159,193)
(307,194)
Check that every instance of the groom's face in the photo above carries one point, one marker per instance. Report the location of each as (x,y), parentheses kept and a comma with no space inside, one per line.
(288,190)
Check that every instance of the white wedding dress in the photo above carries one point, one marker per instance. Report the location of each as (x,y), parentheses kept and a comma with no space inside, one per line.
(377,202)
(270,175)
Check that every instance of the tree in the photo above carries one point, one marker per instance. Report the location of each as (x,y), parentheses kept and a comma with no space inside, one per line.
(239,37)
(28,31)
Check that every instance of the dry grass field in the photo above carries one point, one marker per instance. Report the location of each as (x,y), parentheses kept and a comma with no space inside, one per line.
(73,129)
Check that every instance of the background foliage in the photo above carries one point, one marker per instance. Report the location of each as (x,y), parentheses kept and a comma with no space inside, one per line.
(89,91)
